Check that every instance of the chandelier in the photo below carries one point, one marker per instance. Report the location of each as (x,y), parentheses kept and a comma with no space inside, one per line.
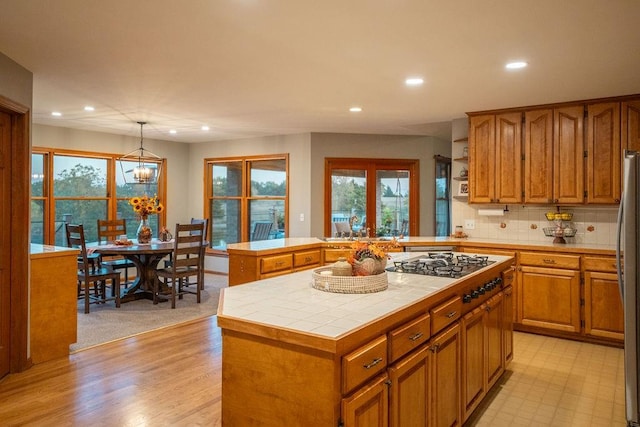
(147,165)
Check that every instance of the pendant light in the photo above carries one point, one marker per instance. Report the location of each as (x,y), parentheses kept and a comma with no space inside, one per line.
(147,165)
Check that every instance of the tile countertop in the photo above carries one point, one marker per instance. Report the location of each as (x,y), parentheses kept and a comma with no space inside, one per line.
(290,302)
(274,245)
(40,251)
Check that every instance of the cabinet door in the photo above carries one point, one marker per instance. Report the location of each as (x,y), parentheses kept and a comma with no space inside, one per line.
(445,373)
(409,400)
(538,156)
(507,324)
(482,158)
(603,153)
(473,359)
(495,359)
(568,154)
(603,310)
(368,406)
(631,125)
(508,180)
(549,298)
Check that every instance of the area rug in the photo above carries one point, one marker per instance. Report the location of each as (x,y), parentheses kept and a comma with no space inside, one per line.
(106,323)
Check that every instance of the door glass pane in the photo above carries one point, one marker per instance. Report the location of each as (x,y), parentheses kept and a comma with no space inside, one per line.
(225,222)
(443,206)
(392,203)
(37,221)
(37,175)
(268,178)
(348,201)
(266,219)
(85,212)
(227,179)
(79,177)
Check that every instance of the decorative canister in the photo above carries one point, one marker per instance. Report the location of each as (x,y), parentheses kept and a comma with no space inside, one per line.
(341,268)
(370,266)
(164,235)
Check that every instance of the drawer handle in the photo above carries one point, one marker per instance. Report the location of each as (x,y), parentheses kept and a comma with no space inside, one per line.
(416,336)
(548,261)
(373,363)
(307,259)
(450,315)
(279,263)
(435,347)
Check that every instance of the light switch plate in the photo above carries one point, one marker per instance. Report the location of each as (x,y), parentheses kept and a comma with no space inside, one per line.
(469,224)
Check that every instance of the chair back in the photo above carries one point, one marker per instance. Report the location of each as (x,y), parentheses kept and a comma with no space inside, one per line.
(261,231)
(111,229)
(204,221)
(75,239)
(188,247)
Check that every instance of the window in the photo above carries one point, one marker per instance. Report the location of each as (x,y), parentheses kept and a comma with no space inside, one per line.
(371,197)
(247,198)
(443,205)
(80,187)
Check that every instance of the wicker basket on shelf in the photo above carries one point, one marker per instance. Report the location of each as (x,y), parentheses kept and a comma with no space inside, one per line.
(348,284)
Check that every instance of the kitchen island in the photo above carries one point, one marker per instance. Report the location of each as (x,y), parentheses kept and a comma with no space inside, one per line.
(295,355)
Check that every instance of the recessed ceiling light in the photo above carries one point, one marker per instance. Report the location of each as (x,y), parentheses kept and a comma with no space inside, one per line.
(515,65)
(89,108)
(355,109)
(56,113)
(205,127)
(173,131)
(414,81)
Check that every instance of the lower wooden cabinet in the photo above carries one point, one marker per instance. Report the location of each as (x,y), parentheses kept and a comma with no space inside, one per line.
(507,325)
(446,375)
(409,395)
(368,407)
(603,311)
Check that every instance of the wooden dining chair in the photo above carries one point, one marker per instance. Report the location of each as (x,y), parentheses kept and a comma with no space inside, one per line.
(108,231)
(205,222)
(92,278)
(187,262)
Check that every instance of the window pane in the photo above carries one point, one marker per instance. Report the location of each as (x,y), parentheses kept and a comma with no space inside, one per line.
(268,178)
(348,199)
(125,211)
(37,175)
(79,176)
(227,179)
(392,202)
(37,221)
(85,212)
(443,207)
(270,215)
(225,223)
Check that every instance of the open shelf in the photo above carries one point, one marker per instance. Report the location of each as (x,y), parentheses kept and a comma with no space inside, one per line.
(461,178)
(465,139)
(461,159)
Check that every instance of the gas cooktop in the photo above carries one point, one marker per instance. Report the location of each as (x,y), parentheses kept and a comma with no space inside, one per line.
(442,264)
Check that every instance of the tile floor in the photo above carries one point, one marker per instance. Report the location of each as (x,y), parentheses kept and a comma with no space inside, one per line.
(556,382)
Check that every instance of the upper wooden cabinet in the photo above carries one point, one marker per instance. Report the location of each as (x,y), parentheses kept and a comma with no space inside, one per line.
(566,153)
(495,158)
(603,153)
(631,125)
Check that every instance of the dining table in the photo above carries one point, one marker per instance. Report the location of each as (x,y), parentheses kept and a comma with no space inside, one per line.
(144,256)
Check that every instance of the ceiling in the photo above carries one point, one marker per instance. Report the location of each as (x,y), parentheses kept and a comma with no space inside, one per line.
(249,68)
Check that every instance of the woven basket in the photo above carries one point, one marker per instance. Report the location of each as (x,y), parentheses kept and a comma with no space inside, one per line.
(349,284)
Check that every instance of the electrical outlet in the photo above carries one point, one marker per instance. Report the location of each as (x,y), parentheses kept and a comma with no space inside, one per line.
(469,224)
(301,217)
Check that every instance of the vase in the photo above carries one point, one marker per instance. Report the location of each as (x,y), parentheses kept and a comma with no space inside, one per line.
(144,231)
(370,266)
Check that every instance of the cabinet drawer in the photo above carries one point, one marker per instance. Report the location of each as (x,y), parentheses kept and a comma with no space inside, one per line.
(363,363)
(550,260)
(332,255)
(445,314)
(301,259)
(508,276)
(409,336)
(276,263)
(604,264)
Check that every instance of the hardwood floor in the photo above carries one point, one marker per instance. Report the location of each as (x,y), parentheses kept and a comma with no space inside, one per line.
(166,377)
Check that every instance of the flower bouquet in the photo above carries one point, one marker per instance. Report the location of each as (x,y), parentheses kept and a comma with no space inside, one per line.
(369,258)
(143,207)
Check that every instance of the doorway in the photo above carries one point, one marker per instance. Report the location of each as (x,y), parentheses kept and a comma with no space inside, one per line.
(14,236)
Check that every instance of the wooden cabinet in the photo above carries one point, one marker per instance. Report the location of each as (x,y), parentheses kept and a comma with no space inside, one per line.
(630,128)
(508,319)
(495,158)
(368,407)
(538,156)
(409,394)
(446,376)
(249,267)
(603,153)
(603,311)
(549,291)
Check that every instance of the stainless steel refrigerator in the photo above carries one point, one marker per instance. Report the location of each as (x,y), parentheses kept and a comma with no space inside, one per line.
(628,248)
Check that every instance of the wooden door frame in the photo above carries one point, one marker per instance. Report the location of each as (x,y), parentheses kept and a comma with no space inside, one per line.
(20,167)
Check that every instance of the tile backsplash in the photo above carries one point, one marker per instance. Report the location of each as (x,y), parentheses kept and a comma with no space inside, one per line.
(594,224)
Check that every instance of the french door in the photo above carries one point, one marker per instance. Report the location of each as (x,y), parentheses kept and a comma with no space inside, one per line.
(371,197)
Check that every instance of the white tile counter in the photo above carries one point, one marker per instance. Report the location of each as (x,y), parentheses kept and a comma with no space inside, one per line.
(290,302)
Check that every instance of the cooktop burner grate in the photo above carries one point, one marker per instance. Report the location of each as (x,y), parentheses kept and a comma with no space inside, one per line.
(442,264)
